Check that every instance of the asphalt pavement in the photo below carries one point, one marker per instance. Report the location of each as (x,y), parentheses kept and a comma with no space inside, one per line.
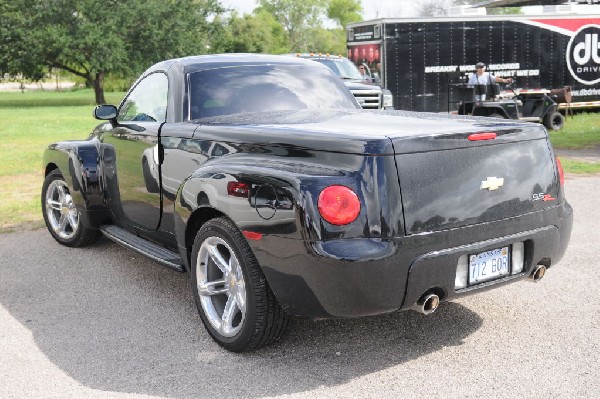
(103,322)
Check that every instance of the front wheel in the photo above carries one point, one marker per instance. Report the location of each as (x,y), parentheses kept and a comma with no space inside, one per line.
(233,298)
(60,214)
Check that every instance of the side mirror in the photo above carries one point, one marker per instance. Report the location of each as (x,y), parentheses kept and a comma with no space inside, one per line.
(106,112)
(109,113)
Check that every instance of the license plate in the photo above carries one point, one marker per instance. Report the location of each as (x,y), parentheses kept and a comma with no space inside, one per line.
(488,265)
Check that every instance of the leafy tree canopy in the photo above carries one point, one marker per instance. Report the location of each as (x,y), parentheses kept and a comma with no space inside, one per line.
(344,11)
(256,33)
(302,22)
(296,17)
(90,38)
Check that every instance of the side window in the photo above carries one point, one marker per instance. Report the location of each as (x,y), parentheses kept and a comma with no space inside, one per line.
(147,102)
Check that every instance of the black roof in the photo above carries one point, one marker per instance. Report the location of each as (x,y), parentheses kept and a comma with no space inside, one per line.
(199,62)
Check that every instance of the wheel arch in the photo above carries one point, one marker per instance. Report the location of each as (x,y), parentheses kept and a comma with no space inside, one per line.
(206,194)
(59,156)
(79,164)
(49,168)
(195,222)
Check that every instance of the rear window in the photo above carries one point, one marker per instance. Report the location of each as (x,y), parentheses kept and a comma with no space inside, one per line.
(258,88)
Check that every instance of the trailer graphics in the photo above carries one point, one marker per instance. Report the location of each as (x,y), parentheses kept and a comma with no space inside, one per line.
(424,62)
(583,55)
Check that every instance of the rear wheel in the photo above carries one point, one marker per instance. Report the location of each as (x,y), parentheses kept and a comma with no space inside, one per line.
(61,215)
(554,120)
(233,298)
(496,115)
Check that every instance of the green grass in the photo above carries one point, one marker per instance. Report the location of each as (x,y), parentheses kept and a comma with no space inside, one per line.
(54,99)
(582,130)
(30,121)
(579,167)
(26,132)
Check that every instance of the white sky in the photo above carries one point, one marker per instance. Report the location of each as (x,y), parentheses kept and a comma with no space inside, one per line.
(371,8)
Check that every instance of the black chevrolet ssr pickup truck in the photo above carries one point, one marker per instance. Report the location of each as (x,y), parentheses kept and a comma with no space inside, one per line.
(262,178)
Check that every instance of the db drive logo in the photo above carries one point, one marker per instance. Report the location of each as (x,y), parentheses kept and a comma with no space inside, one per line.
(583,54)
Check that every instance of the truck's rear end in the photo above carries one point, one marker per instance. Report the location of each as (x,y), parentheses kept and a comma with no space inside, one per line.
(447,207)
(492,200)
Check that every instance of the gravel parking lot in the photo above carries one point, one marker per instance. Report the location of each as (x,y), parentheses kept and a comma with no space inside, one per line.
(104,322)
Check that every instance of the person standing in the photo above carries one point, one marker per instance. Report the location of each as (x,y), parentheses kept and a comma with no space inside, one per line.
(483,79)
(363,72)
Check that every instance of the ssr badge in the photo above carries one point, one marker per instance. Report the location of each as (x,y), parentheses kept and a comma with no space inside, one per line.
(583,54)
(542,197)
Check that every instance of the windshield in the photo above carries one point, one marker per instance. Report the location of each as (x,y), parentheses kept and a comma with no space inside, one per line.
(342,67)
(256,88)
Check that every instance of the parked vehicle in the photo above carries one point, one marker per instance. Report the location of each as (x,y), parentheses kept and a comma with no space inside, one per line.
(366,90)
(280,196)
(530,106)
(419,60)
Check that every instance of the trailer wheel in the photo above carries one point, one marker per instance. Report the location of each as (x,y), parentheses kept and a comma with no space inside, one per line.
(554,121)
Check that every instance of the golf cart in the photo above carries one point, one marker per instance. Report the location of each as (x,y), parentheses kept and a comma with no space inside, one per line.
(531,106)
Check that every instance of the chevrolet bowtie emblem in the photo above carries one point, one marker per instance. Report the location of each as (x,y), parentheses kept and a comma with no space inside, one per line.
(492,183)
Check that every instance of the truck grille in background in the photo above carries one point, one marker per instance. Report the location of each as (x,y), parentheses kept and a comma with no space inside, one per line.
(368,99)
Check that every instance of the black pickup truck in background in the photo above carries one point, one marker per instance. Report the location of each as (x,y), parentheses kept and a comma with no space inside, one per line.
(262,178)
(367,91)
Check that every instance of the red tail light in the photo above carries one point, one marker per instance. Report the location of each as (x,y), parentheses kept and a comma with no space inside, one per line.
(339,205)
(561,172)
(481,136)
(237,189)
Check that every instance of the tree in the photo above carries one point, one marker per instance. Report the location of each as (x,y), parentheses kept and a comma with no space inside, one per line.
(331,41)
(344,11)
(90,38)
(256,33)
(434,8)
(296,17)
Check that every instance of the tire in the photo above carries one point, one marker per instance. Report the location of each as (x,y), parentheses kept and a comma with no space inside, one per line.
(149,180)
(554,121)
(61,216)
(496,115)
(234,301)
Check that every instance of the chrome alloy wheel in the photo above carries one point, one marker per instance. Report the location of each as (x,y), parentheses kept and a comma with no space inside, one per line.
(221,286)
(61,211)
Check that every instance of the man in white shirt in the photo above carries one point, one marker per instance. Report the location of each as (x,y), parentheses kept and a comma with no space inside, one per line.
(363,72)
(485,79)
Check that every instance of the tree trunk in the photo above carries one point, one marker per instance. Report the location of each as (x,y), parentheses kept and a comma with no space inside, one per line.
(98,84)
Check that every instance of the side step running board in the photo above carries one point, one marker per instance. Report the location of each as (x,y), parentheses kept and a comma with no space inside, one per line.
(155,252)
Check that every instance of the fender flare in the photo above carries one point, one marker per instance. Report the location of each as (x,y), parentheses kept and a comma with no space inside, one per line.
(79,164)
(207,190)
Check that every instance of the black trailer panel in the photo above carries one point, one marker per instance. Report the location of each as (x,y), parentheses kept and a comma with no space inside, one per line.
(424,62)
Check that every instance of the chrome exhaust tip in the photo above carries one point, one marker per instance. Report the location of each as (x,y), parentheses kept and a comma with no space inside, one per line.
(427,304)
(538,273)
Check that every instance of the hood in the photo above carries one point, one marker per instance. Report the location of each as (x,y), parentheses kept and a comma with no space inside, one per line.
(355,84)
